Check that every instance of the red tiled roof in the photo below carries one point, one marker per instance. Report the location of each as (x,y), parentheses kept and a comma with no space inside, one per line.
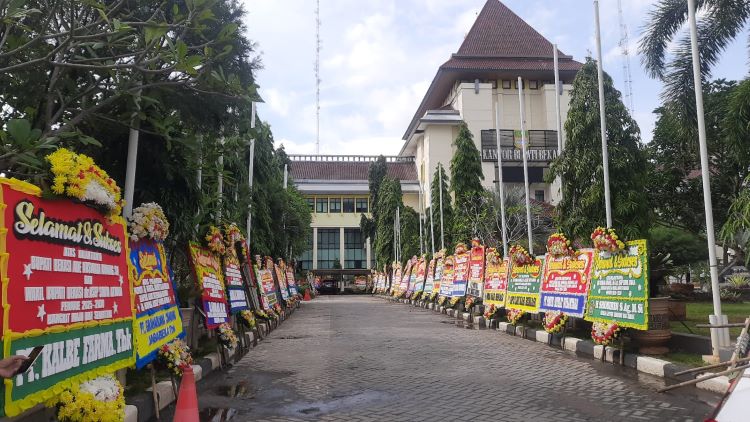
(498,32)
(497,63)
(499,45)
(342,170)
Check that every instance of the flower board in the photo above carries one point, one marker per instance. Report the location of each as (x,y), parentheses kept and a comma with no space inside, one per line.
(495,279)
(267,286)
(280,272)
(403,286)
(523,286)
(63,267)
(208,275)
(235,284)
(290,281)
(157,313)
(446,280)
(476,271)
(566,282)
(460,274)
(429,282)
(619,287)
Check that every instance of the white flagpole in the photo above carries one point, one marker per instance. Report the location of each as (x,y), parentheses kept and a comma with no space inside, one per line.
(558,92)
(602,117)
(220,187)
(286,175)
(432,227)
(130,164)
(525,165)
(719,336)
(251,159)
(440,189)
(421,207)
(500,179)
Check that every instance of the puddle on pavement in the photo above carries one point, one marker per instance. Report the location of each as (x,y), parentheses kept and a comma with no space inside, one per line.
(216,415)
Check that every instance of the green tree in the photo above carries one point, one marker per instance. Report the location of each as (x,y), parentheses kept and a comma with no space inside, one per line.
(722,21)
(673,182)
(466,183)
(435,188)
(409,233)
(375,175)
(389,199)
(580,165)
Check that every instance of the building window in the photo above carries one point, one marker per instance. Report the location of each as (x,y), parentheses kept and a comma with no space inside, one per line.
(533,84)
(311,203)
(506,84)
(328,249)
(362,205)
(539,195)
(321,205)
(348,204)
(305,258)
(335,204)
(355,254)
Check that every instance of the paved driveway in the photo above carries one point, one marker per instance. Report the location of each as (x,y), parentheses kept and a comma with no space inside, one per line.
(360,358)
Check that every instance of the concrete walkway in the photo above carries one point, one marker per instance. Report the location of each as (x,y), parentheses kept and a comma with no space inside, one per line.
(360,358)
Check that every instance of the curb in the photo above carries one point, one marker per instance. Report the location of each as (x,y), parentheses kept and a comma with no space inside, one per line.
(645,364)
(140,408)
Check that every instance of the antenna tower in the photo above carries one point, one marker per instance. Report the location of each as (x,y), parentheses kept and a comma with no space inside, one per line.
(624,49)
(317,77)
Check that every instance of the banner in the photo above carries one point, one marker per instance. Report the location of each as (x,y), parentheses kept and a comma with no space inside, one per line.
(157,313)
(446,279)
(291,282)
(268,287)
(396,279)
(281,279)
(496,280)
(208,275)
(429,282)
(476,270)
(420,276)
(236,292)
(523,286)
(566,283)
(64,273)
(403,286)
(619,287)
(460,274)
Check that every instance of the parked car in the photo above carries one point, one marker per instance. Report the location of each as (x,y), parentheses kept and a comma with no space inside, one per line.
(329,286)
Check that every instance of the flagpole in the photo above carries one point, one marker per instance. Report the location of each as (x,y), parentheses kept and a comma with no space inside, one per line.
(432,227)
(440,189)
(500,179)
(719,336)
(251,160)
(525,164)
(558,92)
(421,206)
(602,117)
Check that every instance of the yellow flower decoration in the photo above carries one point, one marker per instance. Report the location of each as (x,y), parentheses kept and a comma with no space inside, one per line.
(77,176)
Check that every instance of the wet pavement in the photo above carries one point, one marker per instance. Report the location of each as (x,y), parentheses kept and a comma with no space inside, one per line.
(360,358)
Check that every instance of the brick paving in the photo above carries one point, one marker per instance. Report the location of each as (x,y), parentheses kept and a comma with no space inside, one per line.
(361,358)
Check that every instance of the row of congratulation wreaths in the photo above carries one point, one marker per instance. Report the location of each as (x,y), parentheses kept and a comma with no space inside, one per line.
(605,242)
(78,178)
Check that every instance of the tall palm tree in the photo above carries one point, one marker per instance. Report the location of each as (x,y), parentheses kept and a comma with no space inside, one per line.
(721,22)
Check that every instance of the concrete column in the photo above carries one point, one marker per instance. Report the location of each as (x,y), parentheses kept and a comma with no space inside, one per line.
(368,251)
(315,249)
(341,253)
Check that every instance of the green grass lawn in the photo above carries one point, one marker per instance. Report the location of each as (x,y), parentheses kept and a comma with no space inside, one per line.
(698,312)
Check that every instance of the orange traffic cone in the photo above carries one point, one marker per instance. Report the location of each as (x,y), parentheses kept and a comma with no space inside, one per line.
(187,403)
(307,296)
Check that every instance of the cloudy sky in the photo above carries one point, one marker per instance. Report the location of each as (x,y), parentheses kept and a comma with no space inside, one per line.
(378,57)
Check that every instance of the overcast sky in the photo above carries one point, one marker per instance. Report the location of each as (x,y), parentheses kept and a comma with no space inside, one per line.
(378,57)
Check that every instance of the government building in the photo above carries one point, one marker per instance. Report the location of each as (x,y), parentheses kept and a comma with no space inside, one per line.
(478,81)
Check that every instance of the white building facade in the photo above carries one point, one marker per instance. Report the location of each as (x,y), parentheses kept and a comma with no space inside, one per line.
(482,78)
